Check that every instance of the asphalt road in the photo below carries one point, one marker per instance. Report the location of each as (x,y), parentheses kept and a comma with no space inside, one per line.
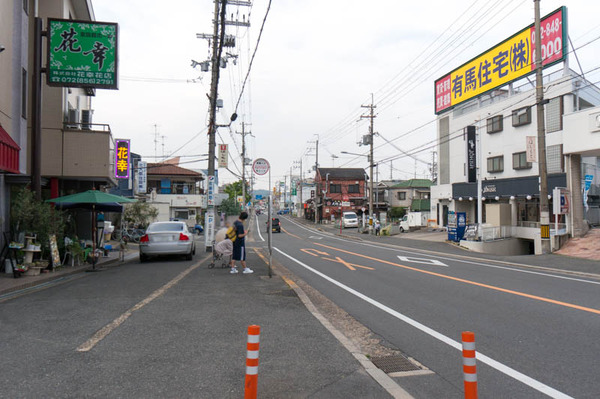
(536,331)
(170,328)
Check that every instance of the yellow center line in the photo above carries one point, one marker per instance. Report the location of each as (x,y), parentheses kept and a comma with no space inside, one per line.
(491,287)
(287,232)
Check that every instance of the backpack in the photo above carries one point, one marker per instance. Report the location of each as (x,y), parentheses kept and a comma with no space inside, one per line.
(231,233)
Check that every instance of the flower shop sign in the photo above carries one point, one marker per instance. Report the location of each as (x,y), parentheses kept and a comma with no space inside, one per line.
(82,54)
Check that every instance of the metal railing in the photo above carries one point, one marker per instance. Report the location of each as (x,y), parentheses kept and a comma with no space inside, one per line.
(96,127)
(495,233)
(524,223)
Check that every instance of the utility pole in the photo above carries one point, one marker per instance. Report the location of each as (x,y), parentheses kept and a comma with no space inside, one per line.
(217,48)
(541,136)
(316,170)
(301,212)
(244,133)
(391,171)
(370,116)
(291,189)
(284,190)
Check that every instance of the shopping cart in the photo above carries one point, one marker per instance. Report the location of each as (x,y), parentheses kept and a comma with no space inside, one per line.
(219,257)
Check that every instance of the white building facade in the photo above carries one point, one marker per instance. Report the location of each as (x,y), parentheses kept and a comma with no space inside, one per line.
(504,119)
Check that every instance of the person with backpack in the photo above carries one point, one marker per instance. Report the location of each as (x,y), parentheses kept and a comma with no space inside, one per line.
(239,245)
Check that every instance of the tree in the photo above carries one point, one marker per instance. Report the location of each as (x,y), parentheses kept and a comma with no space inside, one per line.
(140,213)
(31,216)
(235,189)
(230,206)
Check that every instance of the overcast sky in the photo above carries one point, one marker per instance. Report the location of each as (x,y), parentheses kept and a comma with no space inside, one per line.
(317,63)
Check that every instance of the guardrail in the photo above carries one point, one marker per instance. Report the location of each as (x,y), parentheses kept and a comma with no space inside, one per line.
(495,233)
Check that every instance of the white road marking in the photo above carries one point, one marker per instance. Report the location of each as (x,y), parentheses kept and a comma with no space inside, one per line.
(457,260)
(537,385)
(107,329)
(316,237)
(258,230)
(425,261)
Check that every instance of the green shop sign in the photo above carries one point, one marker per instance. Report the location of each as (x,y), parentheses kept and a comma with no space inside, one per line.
(82,54)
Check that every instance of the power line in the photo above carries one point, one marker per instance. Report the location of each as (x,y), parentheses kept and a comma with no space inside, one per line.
(253,55)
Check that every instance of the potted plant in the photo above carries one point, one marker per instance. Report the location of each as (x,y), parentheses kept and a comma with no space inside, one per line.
(36,218)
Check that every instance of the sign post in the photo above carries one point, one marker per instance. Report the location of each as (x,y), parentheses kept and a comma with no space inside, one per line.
(261,166)
(209,233)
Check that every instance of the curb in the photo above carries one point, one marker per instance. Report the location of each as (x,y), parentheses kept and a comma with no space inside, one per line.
(384,380)
(377,374)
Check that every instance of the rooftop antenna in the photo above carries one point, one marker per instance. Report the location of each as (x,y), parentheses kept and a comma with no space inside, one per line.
(163,147)
(155,140)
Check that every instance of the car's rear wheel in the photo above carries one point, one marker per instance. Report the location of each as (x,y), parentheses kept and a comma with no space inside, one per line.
(143,258)
(189,256)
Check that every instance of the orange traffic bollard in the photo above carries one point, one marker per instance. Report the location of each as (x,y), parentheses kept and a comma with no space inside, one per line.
(250,386)
(469,367)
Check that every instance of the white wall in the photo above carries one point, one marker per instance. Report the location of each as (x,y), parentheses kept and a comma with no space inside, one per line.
(583,135)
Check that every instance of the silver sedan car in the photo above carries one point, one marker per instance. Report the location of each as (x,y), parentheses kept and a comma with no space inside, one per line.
(167,238)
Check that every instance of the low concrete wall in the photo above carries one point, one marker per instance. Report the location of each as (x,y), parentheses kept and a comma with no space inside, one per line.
(509,246)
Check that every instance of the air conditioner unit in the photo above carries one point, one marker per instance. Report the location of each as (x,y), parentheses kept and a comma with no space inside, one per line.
(86,119)
(73,119)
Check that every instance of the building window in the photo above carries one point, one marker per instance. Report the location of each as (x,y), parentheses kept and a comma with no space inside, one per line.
(402,195)
(181,214)
(554,158)
(24,94)
(520,161)
(554,114)
(495,164)
(495,124)
(521,116)
(335,188)
(353,189)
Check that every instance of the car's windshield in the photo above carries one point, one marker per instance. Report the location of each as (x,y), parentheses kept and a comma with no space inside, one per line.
(349,216)
(166,227)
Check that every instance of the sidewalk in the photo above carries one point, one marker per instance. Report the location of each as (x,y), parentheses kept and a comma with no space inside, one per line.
(299,356)
(10,284)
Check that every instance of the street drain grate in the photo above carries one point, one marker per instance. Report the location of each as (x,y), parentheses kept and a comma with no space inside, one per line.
(394,364)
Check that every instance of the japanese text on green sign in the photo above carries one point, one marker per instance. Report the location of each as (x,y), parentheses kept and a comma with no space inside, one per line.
(82,54)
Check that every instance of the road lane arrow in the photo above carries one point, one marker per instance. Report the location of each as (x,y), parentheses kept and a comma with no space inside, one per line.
(425,261)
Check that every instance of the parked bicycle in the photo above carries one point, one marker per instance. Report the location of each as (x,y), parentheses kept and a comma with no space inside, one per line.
(128,234)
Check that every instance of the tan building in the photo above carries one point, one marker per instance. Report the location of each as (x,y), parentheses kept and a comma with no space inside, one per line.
(14,86)
(76,153)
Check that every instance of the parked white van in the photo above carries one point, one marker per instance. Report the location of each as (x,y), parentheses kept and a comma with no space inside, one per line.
(349,219)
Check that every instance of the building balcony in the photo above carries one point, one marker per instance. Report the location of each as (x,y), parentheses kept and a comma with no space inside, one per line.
(80,151)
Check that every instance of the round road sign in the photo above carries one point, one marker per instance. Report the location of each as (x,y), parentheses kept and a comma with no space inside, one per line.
(260,166)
